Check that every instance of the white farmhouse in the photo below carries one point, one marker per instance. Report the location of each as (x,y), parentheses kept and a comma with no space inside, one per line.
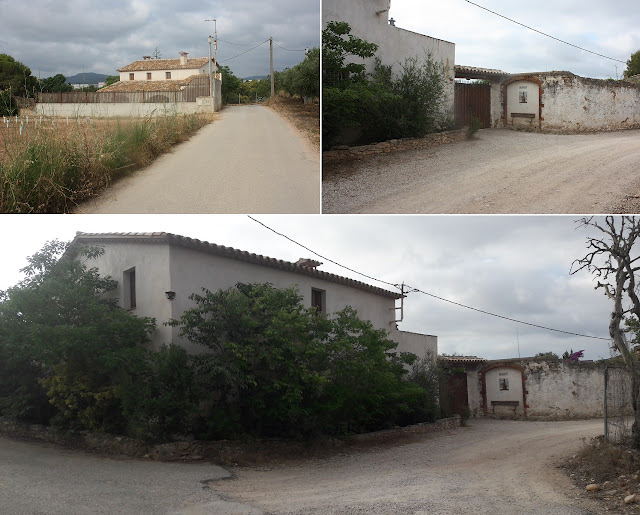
(157,272)
(165,69)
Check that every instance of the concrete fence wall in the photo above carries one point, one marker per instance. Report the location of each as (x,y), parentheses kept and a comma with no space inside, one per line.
(202,105)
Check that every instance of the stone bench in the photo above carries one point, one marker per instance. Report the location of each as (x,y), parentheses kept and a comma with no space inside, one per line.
(515,404)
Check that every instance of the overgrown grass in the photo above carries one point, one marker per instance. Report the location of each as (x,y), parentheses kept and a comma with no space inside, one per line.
(46,170)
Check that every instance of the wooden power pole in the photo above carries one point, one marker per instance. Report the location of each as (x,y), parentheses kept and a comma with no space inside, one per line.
(273,84)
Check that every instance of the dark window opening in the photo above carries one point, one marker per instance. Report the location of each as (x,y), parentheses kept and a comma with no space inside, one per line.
(318,300)
(131,76)
(129,284)
(504,384)
(168,75)
(148,75)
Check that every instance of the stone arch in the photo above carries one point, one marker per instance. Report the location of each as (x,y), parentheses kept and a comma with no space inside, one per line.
(505,96)
(495,366)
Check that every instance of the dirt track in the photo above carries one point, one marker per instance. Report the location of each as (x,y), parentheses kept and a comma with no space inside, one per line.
(492,466)
(501,171)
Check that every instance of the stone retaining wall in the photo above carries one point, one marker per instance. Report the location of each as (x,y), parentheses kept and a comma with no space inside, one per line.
(223,452)
(344,153)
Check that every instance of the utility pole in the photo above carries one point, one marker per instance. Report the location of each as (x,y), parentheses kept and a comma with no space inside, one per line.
(273,87)
(210,73)
(215,53)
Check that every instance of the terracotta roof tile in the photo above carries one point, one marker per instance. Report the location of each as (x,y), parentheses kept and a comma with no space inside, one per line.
(151,85)
(228,252)
(165,64)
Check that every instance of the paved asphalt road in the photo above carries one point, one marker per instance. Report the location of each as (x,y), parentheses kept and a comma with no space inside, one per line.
(250,160)
(39,478)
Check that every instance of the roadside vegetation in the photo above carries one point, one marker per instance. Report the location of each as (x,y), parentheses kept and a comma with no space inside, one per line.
(50,165)
(383,105)
(70,357)
(302,82)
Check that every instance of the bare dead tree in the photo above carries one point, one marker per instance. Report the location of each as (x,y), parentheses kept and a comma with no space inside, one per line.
(610,258)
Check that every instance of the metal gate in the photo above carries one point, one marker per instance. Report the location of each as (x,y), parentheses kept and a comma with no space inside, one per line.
(457,393)
(472,100)
(618,411)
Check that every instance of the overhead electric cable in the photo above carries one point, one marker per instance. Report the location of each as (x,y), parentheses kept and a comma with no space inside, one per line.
(543,33)
(289,49)
(229,59)
(417,290)
(238,44)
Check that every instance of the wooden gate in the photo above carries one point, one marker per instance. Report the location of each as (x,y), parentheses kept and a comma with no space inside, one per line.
(472,100)
(457,393)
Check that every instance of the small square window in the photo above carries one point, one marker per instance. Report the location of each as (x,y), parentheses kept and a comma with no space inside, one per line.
(523,97)
(131,76)
(148,75)
(504,384)
(168,75)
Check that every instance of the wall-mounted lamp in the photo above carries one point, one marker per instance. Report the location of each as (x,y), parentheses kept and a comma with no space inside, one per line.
(170,294)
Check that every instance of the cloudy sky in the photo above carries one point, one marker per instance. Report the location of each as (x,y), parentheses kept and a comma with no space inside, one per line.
(61,37)
(516,266)
(485,40)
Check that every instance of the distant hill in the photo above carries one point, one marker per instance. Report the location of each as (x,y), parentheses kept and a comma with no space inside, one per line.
(87,78)
(256,77)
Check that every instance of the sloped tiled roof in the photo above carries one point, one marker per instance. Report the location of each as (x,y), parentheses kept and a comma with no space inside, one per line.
(227,252)
(123,86)
(165,64)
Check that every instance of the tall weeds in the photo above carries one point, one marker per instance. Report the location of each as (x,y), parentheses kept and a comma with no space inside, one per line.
(50,171)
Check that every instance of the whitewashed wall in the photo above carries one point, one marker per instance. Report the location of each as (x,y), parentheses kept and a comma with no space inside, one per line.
(555,390)
(160,267)
(395,44)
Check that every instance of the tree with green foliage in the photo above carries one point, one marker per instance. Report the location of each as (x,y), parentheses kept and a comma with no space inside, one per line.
(111,79)
(304,78)
(337,45)
(56,84)
(633,65)
(16,77)
(230,85)
(384,105)
(275,368)
(64,338)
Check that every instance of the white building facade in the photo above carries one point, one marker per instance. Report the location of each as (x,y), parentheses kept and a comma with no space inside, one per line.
(165,69)
(369,20)
(157,272)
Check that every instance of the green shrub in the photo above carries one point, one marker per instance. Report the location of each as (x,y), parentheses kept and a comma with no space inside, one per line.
(161,401)
(8,106)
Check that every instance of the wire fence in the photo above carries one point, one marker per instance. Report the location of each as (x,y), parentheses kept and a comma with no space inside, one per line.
(618,410)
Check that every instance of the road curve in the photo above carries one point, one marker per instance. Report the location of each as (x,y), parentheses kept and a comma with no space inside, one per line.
(250,160)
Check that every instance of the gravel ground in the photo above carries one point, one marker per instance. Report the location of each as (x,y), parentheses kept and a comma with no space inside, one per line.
(491,466)
(500,171)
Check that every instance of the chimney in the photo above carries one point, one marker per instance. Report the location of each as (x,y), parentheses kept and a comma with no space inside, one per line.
(308,263)
(183,58)
(146,57)
(392,22)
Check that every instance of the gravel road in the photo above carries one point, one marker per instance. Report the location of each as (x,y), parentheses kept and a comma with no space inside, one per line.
(501,171)
(250,160)
(492,466)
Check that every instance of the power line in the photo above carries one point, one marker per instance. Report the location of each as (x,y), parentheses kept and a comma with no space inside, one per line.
(229,59)
(417,290)
(238,44)
(544,34)
(289,49)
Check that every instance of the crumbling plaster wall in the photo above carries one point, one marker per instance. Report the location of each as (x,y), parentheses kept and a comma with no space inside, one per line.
(554,390)
(575,103)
